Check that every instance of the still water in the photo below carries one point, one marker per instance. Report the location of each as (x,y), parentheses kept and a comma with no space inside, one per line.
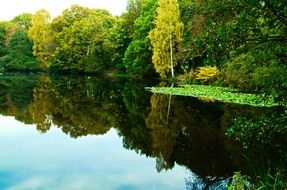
(30,160)
(106,133)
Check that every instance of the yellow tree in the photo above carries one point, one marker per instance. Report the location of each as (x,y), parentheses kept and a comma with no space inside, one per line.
(164,37)
(41,35)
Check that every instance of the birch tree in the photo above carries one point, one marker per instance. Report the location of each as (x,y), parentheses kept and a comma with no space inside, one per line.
(164,37)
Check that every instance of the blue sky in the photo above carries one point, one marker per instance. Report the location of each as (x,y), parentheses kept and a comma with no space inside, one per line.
(53,160)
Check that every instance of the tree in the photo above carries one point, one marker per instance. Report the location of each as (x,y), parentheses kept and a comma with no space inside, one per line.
(41,35)
(23,20)
(2,39)
(82,40)
(137,59)
(122,32)
(165,36)
(19,52)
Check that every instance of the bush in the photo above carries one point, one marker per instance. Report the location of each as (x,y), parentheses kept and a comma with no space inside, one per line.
(238,72)
(270,77)
(207,74)
(188,77)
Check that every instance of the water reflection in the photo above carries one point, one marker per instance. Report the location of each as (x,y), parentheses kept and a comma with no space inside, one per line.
(172,130)
(53,161)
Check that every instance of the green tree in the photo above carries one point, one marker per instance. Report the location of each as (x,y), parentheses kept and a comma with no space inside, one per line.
(23,20)
(137,59)
(42,37)
(19,52)
(2,39)
(82,43)
(166,36)
(122,32)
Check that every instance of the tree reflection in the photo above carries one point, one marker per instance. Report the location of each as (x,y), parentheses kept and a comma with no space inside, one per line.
(43,106)
(11,108)
(191,136)
(136,106)
(171,129)
(162,131)
(74,105)
(16,92)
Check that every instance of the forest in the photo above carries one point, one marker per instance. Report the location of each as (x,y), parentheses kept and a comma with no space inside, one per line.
(235,43)
(239,45)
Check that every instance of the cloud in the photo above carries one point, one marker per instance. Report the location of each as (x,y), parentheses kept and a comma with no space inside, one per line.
(54,161)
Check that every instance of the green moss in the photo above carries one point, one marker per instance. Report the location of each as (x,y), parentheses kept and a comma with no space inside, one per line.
(213,93)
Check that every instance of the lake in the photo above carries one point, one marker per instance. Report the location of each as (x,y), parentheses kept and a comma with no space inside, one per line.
(88,132)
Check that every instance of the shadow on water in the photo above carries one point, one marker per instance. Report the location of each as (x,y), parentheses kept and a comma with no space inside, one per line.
(171,129)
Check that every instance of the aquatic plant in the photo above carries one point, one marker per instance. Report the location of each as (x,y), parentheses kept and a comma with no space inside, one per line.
(216,93)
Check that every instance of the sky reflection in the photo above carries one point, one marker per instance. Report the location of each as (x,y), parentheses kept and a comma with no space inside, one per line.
(31,160)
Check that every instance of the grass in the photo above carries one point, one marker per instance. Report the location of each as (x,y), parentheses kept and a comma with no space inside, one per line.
(214,93)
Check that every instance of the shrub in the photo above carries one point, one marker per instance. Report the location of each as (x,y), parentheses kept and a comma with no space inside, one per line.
(189,77)
(207,74)
(238,72)
(270,77)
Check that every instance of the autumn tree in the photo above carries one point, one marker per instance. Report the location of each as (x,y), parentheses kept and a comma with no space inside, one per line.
(41,35)
(165,36)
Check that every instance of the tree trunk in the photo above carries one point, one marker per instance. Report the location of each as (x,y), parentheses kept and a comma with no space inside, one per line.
(171,58)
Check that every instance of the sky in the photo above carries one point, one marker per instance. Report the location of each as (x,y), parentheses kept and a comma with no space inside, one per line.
(33,160)
(12,8)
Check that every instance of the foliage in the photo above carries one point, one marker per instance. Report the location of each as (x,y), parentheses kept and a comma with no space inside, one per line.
(165,36)
(2,39)
(273,181)
(240,182)
(270,77)
(19,53)
(212,93)
(264,130)
(207,73)
(42,37)
(137,58)
(247,39)
(246,73)
(188,78)
(238,72)
(81,37)
(244,39)
(23,20)
(267,174)
(122,32)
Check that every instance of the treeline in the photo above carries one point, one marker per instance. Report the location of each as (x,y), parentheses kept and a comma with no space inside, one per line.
(240,43)
(76,41)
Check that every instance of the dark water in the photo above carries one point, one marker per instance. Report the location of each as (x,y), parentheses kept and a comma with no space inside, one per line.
(110,133)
